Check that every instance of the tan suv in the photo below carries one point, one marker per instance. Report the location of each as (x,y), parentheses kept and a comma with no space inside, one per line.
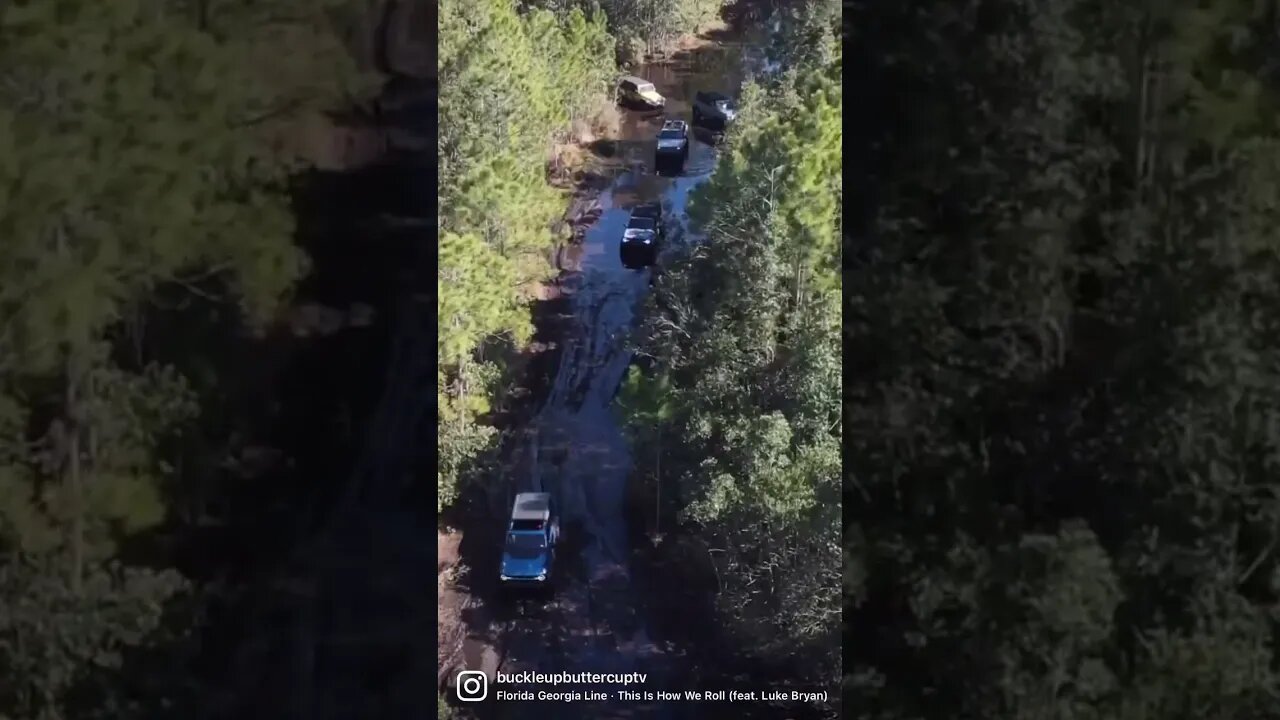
(636,91)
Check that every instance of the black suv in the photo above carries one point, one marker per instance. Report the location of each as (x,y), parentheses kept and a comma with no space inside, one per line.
(713,110)
(642,237)
(673,146)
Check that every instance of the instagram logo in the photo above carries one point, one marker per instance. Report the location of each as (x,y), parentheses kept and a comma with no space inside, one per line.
(473,685)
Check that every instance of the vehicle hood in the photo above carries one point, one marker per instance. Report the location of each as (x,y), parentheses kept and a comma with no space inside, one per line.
(523,567)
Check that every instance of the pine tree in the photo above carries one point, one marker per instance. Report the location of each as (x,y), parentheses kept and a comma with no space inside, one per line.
(141,149)
(746,325)
(511,83)
(1060,332)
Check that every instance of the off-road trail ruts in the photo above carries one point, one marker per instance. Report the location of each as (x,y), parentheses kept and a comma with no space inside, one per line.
(594,621)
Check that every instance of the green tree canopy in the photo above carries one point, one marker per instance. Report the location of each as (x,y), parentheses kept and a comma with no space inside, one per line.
(511,82)
(1062,365)
(142,146)
(744,322)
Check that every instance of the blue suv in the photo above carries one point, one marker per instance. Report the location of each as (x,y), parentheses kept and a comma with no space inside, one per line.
(529,552)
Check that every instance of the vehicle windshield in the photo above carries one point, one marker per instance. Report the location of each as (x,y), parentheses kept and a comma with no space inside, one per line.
(525,546)
(670,135)
(645,88)
(640,223)
(724,105)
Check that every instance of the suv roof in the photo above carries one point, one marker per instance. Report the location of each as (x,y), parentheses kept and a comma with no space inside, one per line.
(633,79)
(649,210)
(532,506)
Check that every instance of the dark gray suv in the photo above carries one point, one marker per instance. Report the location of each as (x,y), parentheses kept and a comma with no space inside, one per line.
(714,110)
(672,147)
(642,237)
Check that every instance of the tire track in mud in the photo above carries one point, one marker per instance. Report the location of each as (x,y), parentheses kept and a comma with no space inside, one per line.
(575,374)
(594,622)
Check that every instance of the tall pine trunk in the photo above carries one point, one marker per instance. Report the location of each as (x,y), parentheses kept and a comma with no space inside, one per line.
(657,483)
(74,481)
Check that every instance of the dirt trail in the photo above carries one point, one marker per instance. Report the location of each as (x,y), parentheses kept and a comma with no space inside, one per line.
(576,447)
